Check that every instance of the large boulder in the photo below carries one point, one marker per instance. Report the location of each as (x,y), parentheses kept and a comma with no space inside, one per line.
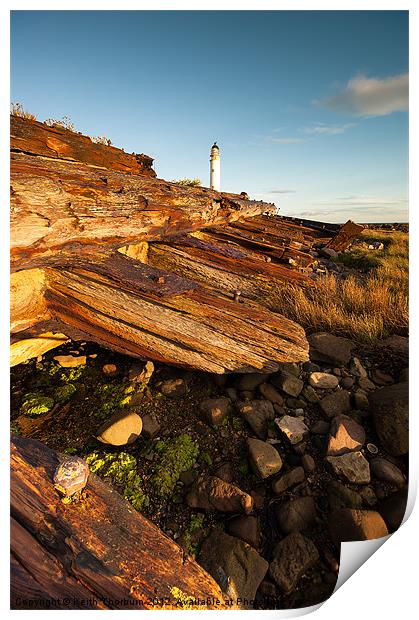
(236,566)
(347,525)
(292,557)
(390,409)
(120,429)
(334,350)
(212,493)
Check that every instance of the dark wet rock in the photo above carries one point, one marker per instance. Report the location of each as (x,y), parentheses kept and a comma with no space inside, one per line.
(214,410)
(235,565)
(390,408)
(258,494)
(288,383)
(300,448)
(212,493)
(288,480)
(296,514)
(292,557)
(264,458)
(270,393)
(232,394)
(335,403)
(325,347)
(347,382)
(308,463)
(323,381)
(360,400)
(321,427)
(368,496)
(258,414)
(246,395)
(291,367)
(340,496)
(393,508)
(188,477)
(386,471)
(296,403)
(173,388)
(311,367)
(352,467)
(246,528)
(310,394)
(345,435)
(249,382)
(348,524)
(151,425)
(294,429)
(122,428)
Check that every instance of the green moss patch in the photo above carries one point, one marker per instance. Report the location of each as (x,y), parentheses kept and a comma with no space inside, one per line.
(176,456)
(35,404)
(121,468)
(63,393)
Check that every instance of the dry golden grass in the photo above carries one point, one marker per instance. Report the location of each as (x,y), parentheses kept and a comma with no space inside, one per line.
(364,309)
(17,109)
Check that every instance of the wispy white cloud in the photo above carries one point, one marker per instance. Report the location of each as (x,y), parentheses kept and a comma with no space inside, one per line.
(274,140)
(364,96)
(325,129)
(282,191)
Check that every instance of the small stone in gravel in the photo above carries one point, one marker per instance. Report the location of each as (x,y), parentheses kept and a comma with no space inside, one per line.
(366,384)
(292,557)
(299,413)
(296,514)
(151,426)
(70,361)
(120,429)
(264,458)
(310,367)
(291,478)
(356,368)
(337,372)
(296,403)
(347,382)
(257,413)
(110,370)
(321,427)
(325,347)
(360,400)
(214,410)
(212,493)
(347,525)
(340,496)
(246,528)
(310,394)
(173,388)
(250,381)
(140,372)
(388,472)
(270,393)
(308,463)
(336,403)
(294,429)
(288,383)
(323,381)
(235,565)
(346,435)
(352,466)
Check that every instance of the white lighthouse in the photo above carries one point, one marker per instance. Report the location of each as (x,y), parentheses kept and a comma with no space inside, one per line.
(215,172)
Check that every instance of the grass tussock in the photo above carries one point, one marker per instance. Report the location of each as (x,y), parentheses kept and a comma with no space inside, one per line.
(17,109)
(364,309)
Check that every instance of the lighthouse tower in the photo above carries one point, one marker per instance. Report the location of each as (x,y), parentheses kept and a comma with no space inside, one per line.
(215,173)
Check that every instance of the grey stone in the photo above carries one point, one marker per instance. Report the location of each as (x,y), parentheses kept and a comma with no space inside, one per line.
(212,493)
(390,408)
(270,393)
(173,388)
(323,381)
(257,413)
(264,458)
(325,347)
(336,403)
(151,425)
(235,565)
(214,410)
(288,480)
(294,429)
(386,471)
(352,467)
(122,428)
(296,514)
(288,383)
(292,557)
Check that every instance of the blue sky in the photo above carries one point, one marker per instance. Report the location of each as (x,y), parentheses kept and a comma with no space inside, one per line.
(309,107)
